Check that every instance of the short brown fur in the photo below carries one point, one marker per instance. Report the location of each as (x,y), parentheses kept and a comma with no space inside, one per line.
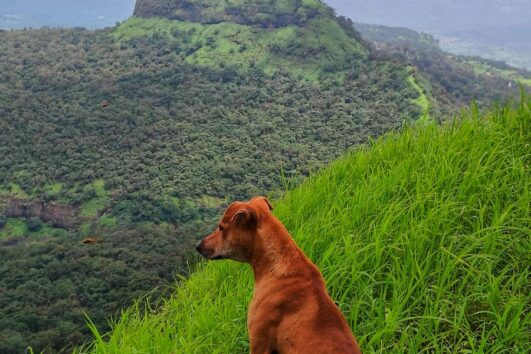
(291,312)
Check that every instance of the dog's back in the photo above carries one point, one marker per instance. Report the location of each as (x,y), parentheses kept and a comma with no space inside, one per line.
(291,304)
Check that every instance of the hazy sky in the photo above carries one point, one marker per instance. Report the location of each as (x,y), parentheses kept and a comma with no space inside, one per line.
(64,13)
(442,16)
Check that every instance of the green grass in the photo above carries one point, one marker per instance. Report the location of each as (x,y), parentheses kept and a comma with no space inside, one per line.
(91,207)
(212,202)
(423,238)
(85,228)
(299,50)
(53,189)
(16,190)
(13,228)
(108,221)
(482,68)
(16,227)
(422,101)
(99,188)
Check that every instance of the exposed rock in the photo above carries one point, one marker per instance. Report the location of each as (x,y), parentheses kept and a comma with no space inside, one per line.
(63,216)
(262,13)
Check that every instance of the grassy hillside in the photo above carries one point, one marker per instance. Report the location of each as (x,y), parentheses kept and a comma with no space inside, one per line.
(320,47)
(423,237)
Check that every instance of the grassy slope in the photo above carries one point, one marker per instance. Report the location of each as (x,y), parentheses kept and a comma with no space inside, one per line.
(482,68)
(16,227)
(98,202)
(422,101)
(299,50)
(423,238)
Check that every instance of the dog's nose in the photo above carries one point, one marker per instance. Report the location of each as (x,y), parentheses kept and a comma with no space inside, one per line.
(198,247)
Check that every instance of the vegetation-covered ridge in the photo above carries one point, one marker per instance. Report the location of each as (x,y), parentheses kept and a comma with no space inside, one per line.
(423,238)
(302,37)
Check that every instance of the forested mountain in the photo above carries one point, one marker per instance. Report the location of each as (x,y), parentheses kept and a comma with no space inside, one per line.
(132,138)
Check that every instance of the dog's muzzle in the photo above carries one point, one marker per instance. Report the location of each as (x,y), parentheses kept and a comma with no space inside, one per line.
(206,253)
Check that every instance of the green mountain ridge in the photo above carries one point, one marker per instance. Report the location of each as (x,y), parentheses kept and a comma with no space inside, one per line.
(319,48)
(451,80)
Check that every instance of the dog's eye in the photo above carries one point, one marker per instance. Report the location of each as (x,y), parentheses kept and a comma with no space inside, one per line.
(220,228)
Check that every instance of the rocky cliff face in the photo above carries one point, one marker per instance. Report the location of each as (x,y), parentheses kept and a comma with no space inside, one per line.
(262,13)
(63,216)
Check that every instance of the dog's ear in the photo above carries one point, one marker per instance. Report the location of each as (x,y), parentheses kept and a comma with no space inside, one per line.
(245,216)
(262,202)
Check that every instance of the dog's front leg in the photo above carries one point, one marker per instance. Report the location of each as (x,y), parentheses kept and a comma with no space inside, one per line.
(262,350)
(261,345)
(263,342)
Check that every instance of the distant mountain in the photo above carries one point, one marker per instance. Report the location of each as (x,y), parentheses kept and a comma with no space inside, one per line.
(494,29)
(63,13)
(303,38)
(452,78)
(510,43)
(437,16)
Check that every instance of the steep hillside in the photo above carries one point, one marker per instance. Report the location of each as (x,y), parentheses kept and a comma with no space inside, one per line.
(422,236)
(138,135)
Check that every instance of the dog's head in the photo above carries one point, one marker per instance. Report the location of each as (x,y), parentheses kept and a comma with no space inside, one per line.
(235,235)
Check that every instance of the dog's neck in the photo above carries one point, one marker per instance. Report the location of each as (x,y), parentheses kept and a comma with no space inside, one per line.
(276,254)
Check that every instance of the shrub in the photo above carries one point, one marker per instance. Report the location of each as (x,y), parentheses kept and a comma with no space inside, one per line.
(34,224)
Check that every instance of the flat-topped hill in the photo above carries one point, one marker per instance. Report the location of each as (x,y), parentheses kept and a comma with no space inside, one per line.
(302,37)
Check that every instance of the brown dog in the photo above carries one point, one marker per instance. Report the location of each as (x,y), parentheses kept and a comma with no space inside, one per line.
(291,312)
